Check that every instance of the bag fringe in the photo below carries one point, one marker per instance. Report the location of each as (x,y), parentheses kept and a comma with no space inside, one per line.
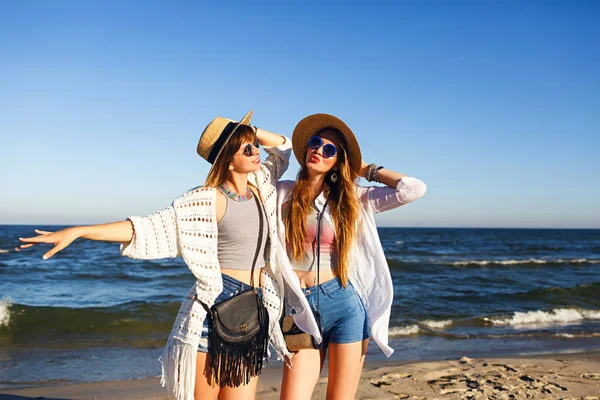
(179,368)
(234,364)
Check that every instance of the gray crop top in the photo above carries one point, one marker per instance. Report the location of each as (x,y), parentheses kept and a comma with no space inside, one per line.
(238,236)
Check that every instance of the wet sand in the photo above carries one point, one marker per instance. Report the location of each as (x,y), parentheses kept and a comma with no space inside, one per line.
(556,376)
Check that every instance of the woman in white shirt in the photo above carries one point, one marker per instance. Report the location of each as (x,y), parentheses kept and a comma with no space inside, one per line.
(354,294)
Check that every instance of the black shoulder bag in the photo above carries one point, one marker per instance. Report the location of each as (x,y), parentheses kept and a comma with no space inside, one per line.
(240,333)
(295,338)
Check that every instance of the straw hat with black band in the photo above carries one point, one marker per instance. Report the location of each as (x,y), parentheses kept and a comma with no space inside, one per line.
(316,123)
(216,134)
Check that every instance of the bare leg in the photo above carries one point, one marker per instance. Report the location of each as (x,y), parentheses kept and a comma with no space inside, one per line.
(206,388)
(345,366)
(299,381)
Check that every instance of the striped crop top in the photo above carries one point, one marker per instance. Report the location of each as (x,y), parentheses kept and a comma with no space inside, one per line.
(328,257)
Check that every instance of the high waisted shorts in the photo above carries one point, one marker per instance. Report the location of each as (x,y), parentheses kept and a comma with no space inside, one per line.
(231,287)
(343,315)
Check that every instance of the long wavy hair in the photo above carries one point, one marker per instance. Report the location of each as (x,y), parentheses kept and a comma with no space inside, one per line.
(343,205)
(218,173)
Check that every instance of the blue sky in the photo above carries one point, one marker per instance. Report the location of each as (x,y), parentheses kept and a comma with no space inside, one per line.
(495,105)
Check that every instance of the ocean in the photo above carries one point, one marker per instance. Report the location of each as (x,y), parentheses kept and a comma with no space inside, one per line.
(89,314)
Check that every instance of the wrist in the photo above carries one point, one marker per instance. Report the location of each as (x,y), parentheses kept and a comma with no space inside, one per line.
(80,231)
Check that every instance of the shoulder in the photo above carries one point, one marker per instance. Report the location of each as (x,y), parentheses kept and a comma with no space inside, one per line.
(195,197)
(285,186)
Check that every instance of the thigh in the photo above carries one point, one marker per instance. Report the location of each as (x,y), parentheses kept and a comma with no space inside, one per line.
(345,366)
(205,387)
(300,378)
(243,392)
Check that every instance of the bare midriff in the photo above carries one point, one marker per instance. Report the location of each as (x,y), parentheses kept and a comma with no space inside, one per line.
(309,278)
(243,276)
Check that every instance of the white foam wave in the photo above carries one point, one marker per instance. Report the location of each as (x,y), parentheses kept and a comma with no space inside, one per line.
(437,324)
(399,241)
(556,316)
(404,330)
(576,335)
(529,261)
(5,305)
(2,251)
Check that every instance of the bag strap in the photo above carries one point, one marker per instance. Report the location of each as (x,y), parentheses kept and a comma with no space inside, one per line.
(260,236)
(319,219)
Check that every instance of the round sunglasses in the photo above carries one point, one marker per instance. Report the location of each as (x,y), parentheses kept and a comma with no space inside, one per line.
(249,149)
(315,143)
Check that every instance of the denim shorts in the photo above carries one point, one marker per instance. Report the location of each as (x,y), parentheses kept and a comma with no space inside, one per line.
(343,315)
(231,287)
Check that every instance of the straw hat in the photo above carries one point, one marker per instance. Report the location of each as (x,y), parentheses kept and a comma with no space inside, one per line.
(315,123)
(217,134)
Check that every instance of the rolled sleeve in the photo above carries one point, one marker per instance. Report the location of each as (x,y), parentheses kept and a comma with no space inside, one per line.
(278,158)
(154,236)
(384,198)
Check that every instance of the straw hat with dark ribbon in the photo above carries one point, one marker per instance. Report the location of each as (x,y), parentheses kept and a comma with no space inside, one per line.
(316,123)
(217,134)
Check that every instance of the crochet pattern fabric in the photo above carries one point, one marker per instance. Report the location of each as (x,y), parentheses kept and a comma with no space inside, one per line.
(188,228)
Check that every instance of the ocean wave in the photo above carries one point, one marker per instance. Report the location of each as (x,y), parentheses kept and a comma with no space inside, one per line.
(437,324)
(576,335)
(562,316)
(5,305)
(404,330)
(2,251)
(521,262)
(137,320)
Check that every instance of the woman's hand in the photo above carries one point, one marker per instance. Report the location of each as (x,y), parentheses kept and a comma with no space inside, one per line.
(59,239)
(363,169)
(269,139)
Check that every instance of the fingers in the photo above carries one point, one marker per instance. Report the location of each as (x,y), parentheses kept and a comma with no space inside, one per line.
(42,232)
(36,239)
(26,246)
(54,250)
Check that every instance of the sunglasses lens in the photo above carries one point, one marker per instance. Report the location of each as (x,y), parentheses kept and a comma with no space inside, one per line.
(248,150)
(329,150)
(315,142)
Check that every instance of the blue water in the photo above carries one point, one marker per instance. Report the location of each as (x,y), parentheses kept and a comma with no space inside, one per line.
(457,292)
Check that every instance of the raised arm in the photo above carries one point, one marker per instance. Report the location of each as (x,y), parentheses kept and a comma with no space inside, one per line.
(121,231)
(399,190)
(278,148)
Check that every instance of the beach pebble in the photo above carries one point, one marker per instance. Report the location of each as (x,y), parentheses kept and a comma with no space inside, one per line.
(591,376)
(527,378)
(465,360)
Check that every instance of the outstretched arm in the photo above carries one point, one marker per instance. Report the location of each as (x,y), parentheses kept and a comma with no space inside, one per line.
(121,231)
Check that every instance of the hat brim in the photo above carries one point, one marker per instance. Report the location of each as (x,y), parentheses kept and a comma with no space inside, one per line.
(243,121)
(312,124)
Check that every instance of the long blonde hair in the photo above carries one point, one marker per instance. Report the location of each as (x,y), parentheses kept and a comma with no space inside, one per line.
(218,173)
(343,205)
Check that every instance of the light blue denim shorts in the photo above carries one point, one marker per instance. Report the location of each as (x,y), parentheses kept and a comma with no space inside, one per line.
(231,287)
(343,315)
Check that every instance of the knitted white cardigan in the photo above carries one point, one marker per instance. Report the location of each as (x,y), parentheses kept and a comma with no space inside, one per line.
(188,228)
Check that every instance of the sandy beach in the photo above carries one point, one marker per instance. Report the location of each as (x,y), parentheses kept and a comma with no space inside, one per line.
(558,376)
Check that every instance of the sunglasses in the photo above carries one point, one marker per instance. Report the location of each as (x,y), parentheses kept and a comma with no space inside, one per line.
(249,149)
(315,143)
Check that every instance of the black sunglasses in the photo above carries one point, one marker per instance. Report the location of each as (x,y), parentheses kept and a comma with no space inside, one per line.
(249,149)
(315,143)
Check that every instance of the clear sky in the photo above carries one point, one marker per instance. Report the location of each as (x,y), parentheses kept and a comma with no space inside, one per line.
(494,104)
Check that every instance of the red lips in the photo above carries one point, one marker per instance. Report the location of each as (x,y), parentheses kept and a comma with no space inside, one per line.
(314,159)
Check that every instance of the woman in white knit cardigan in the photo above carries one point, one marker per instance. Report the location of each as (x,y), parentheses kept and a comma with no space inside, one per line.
(188,228)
